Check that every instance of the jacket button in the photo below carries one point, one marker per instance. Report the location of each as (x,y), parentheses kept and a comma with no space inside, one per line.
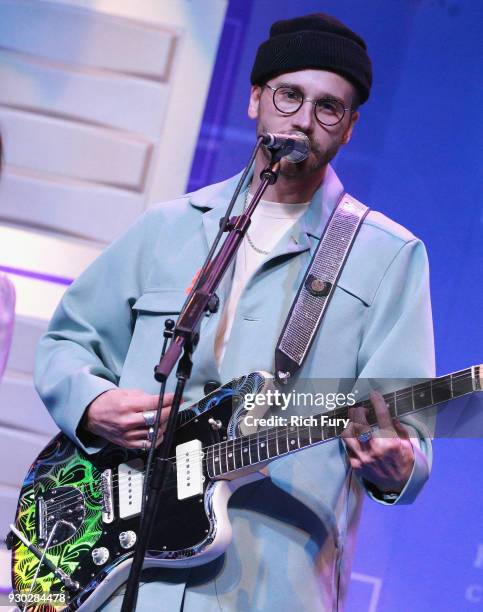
(210,386)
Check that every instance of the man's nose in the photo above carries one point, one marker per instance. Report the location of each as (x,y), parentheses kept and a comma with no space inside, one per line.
(304,118)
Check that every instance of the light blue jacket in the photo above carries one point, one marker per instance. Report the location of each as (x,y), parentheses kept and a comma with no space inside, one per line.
(293,533)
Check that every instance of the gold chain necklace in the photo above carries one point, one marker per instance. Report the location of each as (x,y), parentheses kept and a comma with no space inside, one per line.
(249,240)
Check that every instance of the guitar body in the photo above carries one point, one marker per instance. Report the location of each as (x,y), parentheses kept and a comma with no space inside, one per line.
(94,501)
(84,511)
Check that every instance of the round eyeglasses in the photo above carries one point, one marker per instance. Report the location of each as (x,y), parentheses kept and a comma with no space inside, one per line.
(288,100)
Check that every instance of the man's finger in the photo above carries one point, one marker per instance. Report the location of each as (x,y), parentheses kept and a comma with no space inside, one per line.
(356,449)
(401,431)
(381,410)
(137,420)
(358,415)
(168,399)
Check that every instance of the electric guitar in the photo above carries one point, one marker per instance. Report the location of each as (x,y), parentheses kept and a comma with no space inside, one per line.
(78,516)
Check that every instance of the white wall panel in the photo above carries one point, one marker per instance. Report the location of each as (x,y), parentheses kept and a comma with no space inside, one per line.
(46,253)
(21,407)
(36,298)
(26,334)
(86,37)
(127,103)
(68,207)
(95,97)
(8,506)
(66,148)
(18,449)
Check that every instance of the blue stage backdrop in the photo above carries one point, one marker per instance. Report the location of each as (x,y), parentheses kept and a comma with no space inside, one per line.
(416,156)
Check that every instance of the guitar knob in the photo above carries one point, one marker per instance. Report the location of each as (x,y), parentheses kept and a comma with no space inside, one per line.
(127,539)
(100,555)
(210,386)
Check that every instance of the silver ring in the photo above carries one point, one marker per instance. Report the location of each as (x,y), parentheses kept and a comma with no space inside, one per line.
(145,446)
(150,435)
(365,436)
(149,417)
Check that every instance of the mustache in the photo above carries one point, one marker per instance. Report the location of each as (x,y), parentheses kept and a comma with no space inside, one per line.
(314,146)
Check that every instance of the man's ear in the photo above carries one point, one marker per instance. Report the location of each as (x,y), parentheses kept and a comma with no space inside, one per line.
(348,132)
(254,101)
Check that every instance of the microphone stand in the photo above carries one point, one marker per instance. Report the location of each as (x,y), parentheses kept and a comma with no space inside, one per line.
(202,299)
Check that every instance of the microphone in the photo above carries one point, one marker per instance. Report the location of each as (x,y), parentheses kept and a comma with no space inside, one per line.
(297,143)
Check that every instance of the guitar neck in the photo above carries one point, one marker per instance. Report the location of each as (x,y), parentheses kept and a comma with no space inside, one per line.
(295,433)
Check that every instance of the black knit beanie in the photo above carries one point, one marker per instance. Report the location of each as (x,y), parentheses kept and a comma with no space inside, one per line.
(314,41)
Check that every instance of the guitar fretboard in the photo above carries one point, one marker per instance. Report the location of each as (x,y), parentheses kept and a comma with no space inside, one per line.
(232,455)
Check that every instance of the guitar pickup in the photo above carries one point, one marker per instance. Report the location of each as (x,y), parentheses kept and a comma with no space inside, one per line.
(130,488)
(189,469)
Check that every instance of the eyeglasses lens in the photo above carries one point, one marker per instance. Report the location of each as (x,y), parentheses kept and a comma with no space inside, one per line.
(327,110)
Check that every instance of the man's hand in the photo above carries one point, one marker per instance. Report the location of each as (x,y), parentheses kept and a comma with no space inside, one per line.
(386,459)
(117,416)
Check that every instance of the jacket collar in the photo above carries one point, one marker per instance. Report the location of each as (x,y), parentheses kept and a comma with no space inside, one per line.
(214,199)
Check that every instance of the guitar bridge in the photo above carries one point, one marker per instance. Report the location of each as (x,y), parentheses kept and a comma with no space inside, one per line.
(107,496)
(63,506)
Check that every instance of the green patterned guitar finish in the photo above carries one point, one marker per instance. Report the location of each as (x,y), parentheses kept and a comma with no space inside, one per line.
(69,486)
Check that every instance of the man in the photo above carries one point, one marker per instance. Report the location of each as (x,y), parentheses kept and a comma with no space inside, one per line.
(293,532)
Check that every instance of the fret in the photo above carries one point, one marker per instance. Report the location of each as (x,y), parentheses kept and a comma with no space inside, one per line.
(263,445)
(245,451)
(230,455)
(237,453)
(422,395)
(223,454)
(404,399)
(316,434)
(390,399)
(209,462)
(462,383)
(292,438)
(253,448)
(441,389)
(272,446)
(283,444)
(216,460)
(328,431)
(304,433)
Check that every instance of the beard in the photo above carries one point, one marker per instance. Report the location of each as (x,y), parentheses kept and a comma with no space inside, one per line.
(317,159)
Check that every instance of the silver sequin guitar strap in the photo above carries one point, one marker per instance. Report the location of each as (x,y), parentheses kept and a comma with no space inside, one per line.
(315,292)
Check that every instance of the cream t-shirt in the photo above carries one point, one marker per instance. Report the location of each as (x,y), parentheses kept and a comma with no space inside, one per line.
(270,221)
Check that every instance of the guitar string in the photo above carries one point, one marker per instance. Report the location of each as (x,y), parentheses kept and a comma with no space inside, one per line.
(237,443)
(229,445)
(172,480)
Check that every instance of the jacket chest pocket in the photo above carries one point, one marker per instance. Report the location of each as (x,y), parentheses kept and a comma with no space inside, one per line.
(154,307)
(158,302)
(149,314)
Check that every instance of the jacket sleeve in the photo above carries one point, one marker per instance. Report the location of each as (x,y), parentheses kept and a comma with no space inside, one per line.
(82,353)
(398,344)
